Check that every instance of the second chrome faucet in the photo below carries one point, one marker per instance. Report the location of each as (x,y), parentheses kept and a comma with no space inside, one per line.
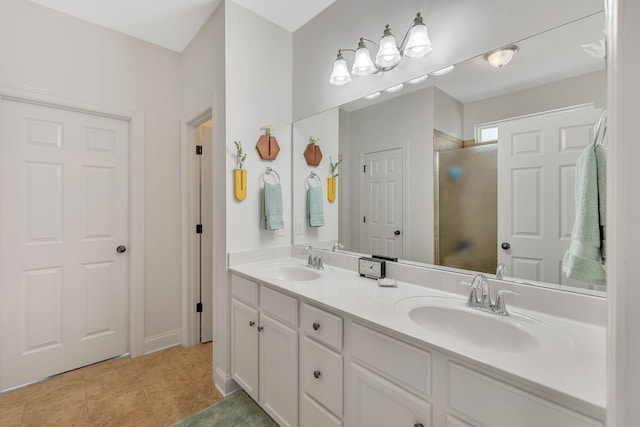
(480,283)
(315,261)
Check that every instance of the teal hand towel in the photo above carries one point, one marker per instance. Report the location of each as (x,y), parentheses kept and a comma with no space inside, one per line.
(315,206)
(586,256)
(271,207)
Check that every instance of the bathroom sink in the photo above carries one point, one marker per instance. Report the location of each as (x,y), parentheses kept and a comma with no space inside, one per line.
(452,319)
(293,273)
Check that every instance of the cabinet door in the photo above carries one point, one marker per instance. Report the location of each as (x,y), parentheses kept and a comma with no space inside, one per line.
(244,347)
(377,402)
(279,371)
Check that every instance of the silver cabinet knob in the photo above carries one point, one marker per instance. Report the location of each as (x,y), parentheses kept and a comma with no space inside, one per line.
(252,323)
(316,326)
(316,374)
(121,249)
(260,328)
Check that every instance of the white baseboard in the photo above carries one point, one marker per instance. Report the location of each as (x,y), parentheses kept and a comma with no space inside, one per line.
(224,383)
(162,341)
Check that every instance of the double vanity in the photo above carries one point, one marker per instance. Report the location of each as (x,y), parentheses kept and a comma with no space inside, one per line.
(326,347)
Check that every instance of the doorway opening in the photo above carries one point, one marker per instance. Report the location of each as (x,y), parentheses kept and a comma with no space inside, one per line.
(198,227)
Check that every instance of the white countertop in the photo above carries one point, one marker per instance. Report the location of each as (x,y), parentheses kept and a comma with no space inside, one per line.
(576,369)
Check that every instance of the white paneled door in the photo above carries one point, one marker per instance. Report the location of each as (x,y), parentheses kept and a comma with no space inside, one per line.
(64,224)
(383,210)
(536,190)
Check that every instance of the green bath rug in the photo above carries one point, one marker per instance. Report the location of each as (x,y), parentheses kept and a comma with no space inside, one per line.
(236,410)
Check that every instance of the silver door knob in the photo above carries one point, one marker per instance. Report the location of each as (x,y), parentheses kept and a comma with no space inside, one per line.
(505,245)
(121,249)
(397,232)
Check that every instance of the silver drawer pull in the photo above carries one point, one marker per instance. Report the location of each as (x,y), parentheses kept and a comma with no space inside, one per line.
(316,374)
(316,326)
(252,323)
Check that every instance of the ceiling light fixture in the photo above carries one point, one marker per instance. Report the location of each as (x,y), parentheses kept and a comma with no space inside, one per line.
(418,80)
(373,95)
(442,71)
(500,57)
(395,88)
(388,56)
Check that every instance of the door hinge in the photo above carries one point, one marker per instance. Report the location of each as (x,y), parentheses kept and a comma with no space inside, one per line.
(199,307)
(198,228)
(364,168)
(364,219)
(199,150)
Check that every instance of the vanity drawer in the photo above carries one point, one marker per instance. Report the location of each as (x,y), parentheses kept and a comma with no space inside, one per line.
(405,364)
(314,415)
(321,325)
(279,305)
(244,290)
(321,374)
(492,402)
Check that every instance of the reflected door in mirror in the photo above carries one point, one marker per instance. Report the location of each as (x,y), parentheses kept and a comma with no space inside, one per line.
(383,213)
(536,190)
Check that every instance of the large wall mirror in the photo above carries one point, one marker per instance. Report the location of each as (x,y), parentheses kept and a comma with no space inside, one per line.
(464,170)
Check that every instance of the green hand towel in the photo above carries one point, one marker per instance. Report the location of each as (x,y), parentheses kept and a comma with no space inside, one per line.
(585,258)
(315,206)
(271,207)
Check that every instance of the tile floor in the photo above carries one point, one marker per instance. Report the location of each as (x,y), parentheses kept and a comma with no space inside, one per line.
(154,390)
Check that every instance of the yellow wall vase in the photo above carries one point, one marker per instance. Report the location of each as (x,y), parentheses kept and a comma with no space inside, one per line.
(240,184)
(331,189)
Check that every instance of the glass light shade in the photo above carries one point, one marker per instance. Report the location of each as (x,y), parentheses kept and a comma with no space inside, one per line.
(388,54)
(418,79)
(363,65)
(501,57)
(395,88)
(372,96)
(442,71)
(419,44)
(340,75)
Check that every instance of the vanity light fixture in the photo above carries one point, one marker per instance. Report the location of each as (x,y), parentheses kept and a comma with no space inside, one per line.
(418,80)
(500,57)
(395,88)
(373,95)
(442,71)
(388,56)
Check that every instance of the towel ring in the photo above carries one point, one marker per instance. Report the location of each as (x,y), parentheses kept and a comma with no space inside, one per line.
(270,171)
(312,177)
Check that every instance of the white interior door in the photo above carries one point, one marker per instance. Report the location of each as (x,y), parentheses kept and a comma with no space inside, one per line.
(63,213)
(536,190)
(383,215)
(206,238)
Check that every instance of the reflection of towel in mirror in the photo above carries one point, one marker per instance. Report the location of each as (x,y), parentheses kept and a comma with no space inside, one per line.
(586,256)
(315,206)
(271,207)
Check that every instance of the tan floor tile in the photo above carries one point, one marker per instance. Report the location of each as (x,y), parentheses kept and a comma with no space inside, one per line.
(139,417)
(11,411)
(115,404)
(174,379)
(63,406)
(171,406)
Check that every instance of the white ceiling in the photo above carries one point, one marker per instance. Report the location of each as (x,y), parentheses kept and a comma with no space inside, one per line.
(173,23)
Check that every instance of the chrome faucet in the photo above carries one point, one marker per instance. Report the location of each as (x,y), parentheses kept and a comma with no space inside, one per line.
(500,270)
(314,261)
(484,302)
(336,246)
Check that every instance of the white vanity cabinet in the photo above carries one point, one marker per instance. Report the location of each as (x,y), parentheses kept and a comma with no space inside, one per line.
(264,348)
(388,381)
